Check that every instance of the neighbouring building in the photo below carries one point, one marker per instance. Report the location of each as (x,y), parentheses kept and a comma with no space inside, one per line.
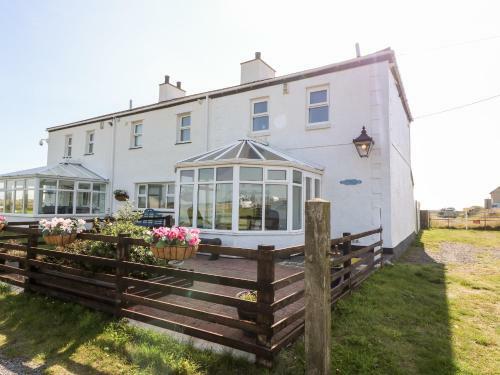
(240,162)
(495,198)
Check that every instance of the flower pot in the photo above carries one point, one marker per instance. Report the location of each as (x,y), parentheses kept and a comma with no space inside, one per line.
(121,198)
(59,239)
(2,225)
(174,252)
(246,315)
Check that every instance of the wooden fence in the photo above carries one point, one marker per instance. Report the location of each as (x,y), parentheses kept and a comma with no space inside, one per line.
(115,288)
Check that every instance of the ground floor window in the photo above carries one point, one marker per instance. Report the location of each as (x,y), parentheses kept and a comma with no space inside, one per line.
(156,196)
(65,197)
(17,196)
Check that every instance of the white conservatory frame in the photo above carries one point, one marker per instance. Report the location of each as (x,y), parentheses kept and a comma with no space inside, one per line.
(286,163)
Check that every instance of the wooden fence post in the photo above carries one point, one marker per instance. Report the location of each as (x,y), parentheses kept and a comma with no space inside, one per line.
(317,287)
(30,244)
(346,249)
(122,254)
(265,296)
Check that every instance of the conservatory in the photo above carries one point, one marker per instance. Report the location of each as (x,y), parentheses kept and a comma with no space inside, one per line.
(67,189)
(245,188)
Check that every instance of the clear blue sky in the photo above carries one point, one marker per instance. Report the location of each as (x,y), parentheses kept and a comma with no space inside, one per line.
(62,61)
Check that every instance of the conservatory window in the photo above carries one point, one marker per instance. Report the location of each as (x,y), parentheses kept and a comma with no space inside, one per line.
(83,198)
(65,195)
(224,198)
(260,115)
(276,174)
(250,212)
(308,188)
(205,198)
(17,196)
(276,207)
(186,195)
(69,197)
(297,201)
(317,188)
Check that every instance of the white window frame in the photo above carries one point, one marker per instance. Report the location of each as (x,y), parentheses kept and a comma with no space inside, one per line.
(236,181)
(135,136)
(322,124)
(180,127)
(90,142)
(257,115)
(145,195)
(68,146)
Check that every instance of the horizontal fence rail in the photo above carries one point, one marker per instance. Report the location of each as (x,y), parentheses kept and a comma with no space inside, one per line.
(117,286)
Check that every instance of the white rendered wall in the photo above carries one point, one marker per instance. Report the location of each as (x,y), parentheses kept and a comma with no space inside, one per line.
(402,199)
(358,97)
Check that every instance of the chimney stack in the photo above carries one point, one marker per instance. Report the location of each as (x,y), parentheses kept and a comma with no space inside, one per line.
(169,91)
(256,70)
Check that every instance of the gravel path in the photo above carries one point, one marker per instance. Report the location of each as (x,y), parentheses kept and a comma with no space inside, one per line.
(15,366)
(448,253)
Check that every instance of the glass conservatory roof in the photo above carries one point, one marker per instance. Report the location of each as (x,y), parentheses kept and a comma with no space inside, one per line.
(62,170)
(247,151)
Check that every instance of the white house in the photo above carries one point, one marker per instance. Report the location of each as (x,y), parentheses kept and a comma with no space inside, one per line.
(240,162)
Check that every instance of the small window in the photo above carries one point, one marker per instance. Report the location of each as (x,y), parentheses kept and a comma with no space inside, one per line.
(89,147)
(170,201)
(225,174)
(318,108)
(68,146)
(317,188)
(137,135)
(276,175)
(187,176)
(184,128)
(250,174)
(260,115)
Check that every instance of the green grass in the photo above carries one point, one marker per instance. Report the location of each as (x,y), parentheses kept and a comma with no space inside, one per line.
(405,319)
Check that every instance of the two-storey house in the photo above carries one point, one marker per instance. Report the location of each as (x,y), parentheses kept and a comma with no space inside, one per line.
(240,162)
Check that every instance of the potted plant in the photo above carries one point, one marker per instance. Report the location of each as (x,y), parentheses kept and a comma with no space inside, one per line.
(3,222)
(176,243)
(251,296)
(59,231)
(121,195)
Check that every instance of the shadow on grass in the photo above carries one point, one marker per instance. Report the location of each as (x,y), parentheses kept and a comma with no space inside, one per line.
(38,328)
(396,323)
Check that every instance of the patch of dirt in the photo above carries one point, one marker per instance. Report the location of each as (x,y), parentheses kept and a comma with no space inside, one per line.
(448,253)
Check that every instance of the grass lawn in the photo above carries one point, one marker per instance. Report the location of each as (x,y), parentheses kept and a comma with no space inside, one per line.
(434,312)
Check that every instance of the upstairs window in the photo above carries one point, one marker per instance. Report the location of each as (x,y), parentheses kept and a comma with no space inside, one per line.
(137,135)
(68,146)
(89,147)
(260,115)
(318,108)
(184,128)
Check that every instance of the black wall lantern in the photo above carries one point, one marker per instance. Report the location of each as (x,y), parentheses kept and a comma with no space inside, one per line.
(363,143)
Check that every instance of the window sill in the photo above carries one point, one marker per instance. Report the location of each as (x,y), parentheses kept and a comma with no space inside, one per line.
(182,143)
(88,154)
(318,125)
(135,148)
(260,133)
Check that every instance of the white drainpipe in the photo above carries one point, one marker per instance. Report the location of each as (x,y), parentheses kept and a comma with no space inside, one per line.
(207,119)
(113,157)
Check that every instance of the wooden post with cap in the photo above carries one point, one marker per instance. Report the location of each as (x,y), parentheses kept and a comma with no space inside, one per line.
(317,287)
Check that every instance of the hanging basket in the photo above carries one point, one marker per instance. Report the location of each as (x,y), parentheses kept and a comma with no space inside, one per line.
(174,252)
(59,239)
(121,197)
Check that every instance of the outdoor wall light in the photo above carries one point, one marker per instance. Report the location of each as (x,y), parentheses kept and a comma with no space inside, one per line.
(363,143)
